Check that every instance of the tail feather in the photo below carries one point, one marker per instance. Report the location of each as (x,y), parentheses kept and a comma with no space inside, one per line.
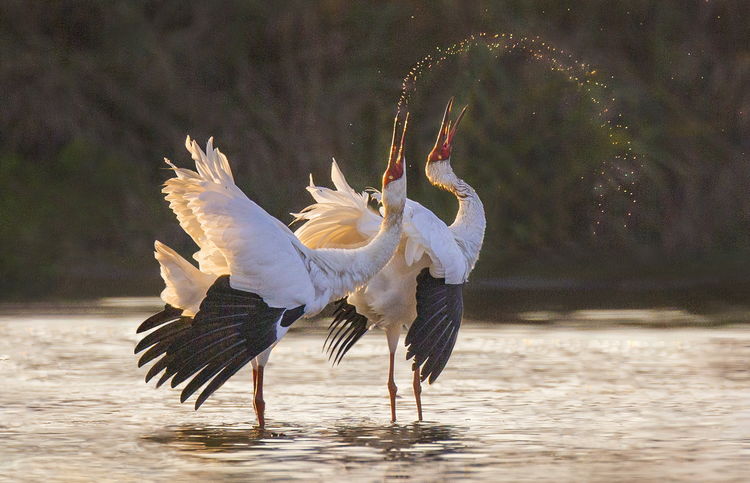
(185,285)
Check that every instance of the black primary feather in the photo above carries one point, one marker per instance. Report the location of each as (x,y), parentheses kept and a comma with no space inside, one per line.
(163,332)
(231,328)
(168,314)
(180,328)
(171,325)
(433,334)
(345,330)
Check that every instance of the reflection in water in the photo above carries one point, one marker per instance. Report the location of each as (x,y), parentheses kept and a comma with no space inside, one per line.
(409,442)
(393,442)
(219,439)
(516,403)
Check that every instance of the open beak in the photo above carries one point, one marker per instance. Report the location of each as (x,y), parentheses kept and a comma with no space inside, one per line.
(444,126)
(396,158)
(444,141)
(397,141)
(452,132)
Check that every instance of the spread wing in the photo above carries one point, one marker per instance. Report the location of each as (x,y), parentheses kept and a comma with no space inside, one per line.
(339,218)
(425,233)
(433,334)
(231,328)
(342,218)
(210,259)
(261,253)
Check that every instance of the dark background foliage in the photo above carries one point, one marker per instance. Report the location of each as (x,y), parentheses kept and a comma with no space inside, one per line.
(95,93)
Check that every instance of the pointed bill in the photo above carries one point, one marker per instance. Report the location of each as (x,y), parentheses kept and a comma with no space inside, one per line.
(454,127)
(396,156)
(444,142)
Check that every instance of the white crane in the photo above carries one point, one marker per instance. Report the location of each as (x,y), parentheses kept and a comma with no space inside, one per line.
(421,286)
(255,277)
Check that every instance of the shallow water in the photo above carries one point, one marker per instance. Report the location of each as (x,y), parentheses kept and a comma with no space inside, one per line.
(516,403)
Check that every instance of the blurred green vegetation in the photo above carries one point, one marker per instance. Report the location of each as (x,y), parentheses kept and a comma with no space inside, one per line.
(96,93)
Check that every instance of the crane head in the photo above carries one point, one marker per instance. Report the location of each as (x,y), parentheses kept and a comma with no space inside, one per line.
(395,168)
(444,142)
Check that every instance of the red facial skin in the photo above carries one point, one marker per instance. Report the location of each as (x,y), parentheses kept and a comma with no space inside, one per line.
(394,172)
(444,142)
(440,153)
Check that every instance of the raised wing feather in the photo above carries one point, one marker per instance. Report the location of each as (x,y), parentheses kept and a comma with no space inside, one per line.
(262,255)
(343,218)
(424,233)
(210,259)
(339,218)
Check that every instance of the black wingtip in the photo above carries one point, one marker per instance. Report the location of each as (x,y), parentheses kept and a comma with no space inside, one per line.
(231,328)
(433,334)
(345,330)
(169,313)
(164,378)
(229,370)
(161,337)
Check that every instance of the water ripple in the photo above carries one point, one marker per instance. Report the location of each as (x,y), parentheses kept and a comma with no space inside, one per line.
(515,404)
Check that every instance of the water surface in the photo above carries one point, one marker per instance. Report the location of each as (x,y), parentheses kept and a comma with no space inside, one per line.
(516,403)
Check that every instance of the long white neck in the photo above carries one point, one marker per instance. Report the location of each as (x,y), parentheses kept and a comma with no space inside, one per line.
(469,225)
(348,269)
(371,258)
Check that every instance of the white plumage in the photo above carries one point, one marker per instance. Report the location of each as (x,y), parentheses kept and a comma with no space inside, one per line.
(343,218)
(255,277)
(236,236)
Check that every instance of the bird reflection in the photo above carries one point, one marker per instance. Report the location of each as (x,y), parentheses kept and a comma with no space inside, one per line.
(393,443)
(404,442)
(214,439)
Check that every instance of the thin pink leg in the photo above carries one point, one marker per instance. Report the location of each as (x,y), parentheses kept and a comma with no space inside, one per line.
(258,403)
(418,392)
(392,389)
